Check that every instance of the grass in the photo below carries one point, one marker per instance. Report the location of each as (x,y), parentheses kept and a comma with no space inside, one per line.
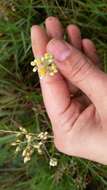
(20,96)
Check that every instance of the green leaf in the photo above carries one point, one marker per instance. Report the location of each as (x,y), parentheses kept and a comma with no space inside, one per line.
(7,139)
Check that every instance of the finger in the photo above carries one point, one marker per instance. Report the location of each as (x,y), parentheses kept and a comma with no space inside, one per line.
(54,27)
(39,40)
(55,92)
(88,48)
(55,30)
(74,36)
(90,51)
(77,68)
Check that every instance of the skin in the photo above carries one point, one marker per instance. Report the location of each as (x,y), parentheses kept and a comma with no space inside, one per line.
(76,97)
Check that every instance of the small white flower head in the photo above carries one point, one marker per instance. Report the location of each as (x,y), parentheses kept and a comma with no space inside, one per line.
(35,69)
(38,145)
(26,159)
(18,141)
(18,134)
(28,137)
(53,162)
(43,135)
(17,149)
(23,130)
(44,65)
(33,63)
(24,152)
(40,151)
(14,144)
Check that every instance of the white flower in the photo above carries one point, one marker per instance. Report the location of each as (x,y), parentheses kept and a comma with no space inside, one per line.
(53,162)
(13,144)
(23,130)
(34,69)
(29,138)
(33,63)
(18,141)
(40,151)
(17,149)
(18,134)
(43,135)
(38,145)
(26,159)
(24,152)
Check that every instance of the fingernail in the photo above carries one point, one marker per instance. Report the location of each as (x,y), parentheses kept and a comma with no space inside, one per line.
(50,18)
(59,49)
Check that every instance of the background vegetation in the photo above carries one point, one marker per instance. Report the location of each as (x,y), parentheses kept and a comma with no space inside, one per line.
(21,101)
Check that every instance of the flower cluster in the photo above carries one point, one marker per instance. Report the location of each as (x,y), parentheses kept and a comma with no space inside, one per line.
(53,162)
(44,65)
(27,143)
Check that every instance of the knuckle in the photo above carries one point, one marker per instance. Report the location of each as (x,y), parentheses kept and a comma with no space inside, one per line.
(79,67)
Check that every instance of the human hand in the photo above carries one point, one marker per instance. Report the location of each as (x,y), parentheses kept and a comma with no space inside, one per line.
(78,119)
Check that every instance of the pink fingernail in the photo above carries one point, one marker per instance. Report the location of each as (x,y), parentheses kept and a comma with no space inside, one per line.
(59,49)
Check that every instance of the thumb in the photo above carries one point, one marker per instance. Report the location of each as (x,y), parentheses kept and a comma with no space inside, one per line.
(80,70)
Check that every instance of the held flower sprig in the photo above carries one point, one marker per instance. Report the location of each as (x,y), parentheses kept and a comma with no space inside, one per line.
(44,65)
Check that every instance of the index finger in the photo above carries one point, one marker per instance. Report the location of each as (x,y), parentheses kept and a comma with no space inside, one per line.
(54,88)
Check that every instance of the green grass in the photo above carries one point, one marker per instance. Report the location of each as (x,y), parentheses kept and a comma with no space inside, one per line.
(20,96)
